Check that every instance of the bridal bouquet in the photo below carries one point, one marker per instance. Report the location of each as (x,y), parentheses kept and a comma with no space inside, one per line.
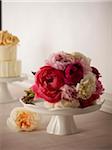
(68,80)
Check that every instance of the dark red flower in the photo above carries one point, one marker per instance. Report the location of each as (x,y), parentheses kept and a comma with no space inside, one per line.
(96,72)
(89,102)
(73,74)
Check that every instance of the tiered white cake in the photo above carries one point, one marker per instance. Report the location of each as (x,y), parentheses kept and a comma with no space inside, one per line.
(9,65)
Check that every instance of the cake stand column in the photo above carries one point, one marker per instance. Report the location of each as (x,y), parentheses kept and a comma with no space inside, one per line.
(5,95)
(62,125)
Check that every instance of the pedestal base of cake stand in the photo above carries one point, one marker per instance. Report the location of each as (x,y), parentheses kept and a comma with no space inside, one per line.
(62,125)
(5,95)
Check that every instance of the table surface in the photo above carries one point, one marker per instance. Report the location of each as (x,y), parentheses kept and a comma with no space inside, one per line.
(95,132)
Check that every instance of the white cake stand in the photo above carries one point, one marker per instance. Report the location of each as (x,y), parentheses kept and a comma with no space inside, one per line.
(62,121)
(5,95)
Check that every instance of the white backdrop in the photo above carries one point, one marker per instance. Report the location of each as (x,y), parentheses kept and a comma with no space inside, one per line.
(47,27)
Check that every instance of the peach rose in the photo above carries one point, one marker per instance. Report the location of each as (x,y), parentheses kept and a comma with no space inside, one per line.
(22,119)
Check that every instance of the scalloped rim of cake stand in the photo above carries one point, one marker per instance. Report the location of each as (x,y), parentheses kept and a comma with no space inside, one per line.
(40,108)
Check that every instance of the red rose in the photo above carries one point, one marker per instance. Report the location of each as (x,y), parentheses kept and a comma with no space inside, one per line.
(47,84)
(73,74)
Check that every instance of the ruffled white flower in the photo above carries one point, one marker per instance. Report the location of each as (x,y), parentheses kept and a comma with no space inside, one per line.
(80,55)
(87,86)
(22,119)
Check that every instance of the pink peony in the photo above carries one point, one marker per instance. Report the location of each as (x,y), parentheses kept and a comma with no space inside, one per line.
(68,93)
(60,60)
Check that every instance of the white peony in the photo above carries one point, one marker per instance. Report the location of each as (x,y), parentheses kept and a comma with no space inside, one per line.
(87,86)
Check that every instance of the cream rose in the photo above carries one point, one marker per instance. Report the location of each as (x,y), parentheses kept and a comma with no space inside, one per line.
(22,119)
(7,38)
(79,55)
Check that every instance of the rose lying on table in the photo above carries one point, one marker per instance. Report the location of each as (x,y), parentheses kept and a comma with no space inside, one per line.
(22,119)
